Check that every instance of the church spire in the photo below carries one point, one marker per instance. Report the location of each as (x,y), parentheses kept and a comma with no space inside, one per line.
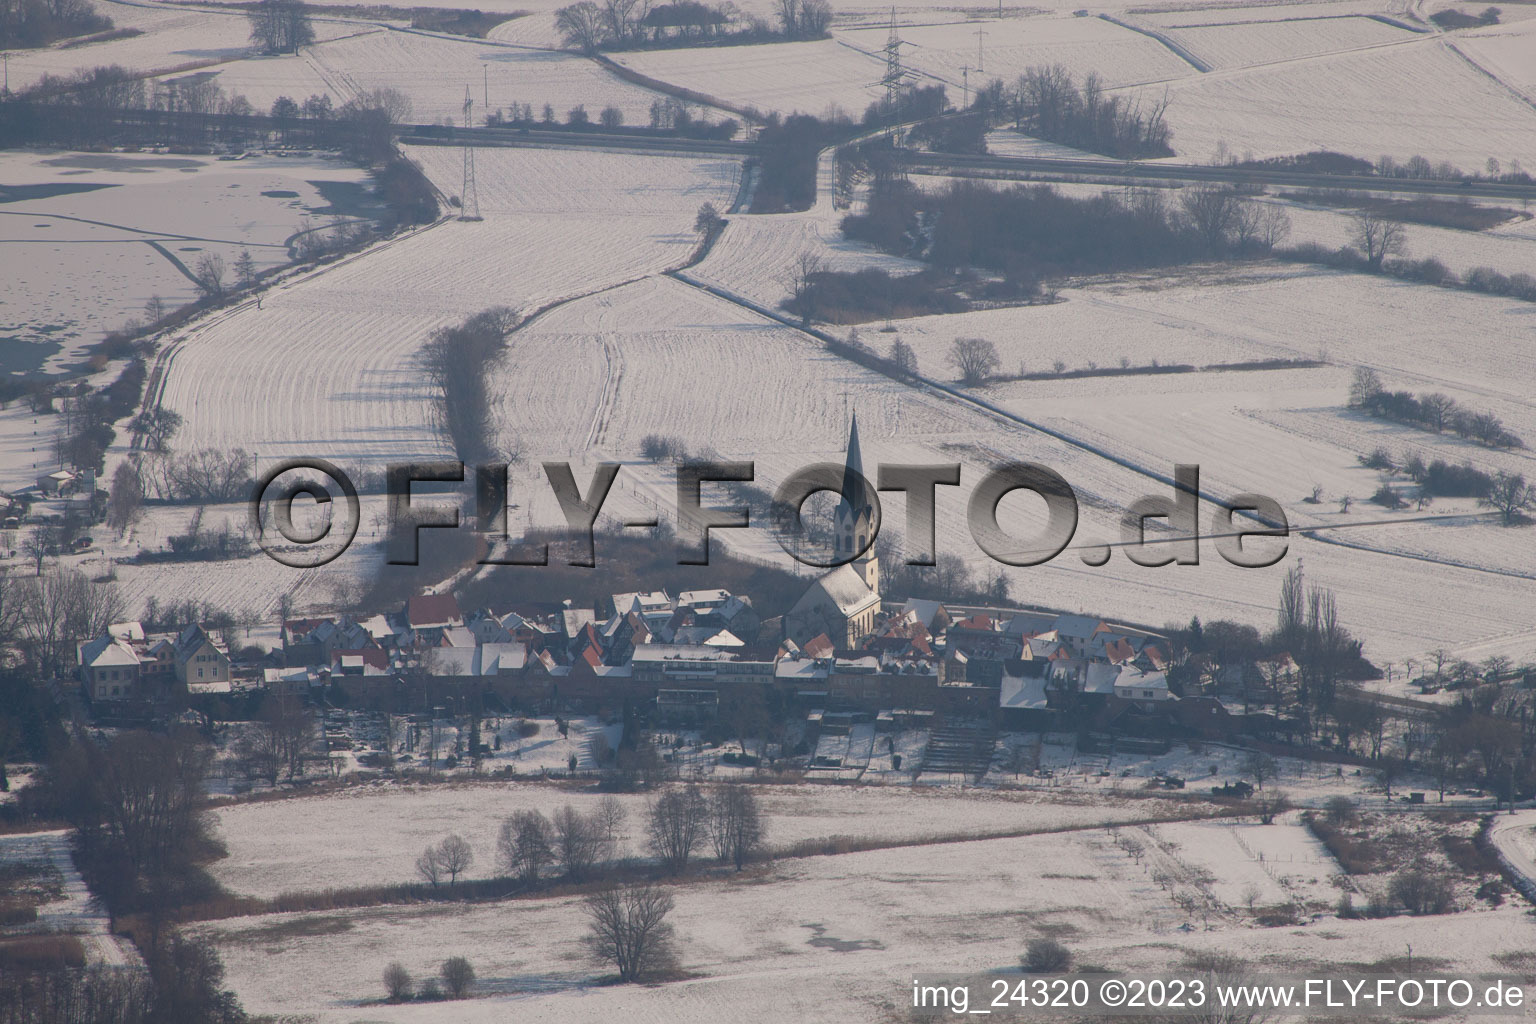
(854,521)
(855,501)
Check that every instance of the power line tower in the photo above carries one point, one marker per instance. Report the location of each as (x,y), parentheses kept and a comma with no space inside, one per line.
(896,77)
(469,201)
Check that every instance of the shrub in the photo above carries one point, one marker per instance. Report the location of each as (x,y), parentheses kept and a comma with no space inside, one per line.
(1378,459)
(1422,892)
(1486,279)
(397,982)
(1046,956)
(458,974)
(1340,810)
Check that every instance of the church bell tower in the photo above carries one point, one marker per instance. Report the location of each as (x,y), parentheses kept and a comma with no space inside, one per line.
(854,520)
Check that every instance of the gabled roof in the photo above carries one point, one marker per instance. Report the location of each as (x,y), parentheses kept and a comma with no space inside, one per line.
(846,589)
(925,611)
(818,646)
(433,610)
(1078,627)
(107,652)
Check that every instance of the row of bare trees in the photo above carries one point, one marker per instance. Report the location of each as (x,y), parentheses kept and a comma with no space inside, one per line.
(46,614)
(1047,102)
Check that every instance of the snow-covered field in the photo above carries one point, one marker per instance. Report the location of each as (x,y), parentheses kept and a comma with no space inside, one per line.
(830,938)
(170,39)
(786,77)
(331,352)
(1221,44)
(371,836)
(434,72)
(1008,48)
(1355,103)
(79,264)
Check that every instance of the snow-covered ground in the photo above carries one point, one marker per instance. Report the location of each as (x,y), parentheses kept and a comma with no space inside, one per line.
(81,263)
(1006,49)
(434,72)
(77,913)
(1354,103)
(372,835)
(837,938)
(331,352)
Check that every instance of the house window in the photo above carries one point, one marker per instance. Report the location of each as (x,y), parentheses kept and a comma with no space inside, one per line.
(1146,693)
(199,673)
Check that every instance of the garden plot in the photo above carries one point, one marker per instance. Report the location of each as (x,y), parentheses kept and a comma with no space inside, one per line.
(816,940)
(807,78)
(1119,56)
(325,367)
(1282,862)
(83,262)
(74,911)
(371,836)
(1418,98)
(434,72)
(1222,45)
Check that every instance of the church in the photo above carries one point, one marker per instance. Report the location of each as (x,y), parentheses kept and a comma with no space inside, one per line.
(842,603)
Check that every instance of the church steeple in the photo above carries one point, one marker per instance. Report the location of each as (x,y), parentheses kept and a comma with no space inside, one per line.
(855,515)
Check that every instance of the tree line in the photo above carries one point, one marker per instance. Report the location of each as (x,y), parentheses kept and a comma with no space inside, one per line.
(1436,412)
(25,24)
(590,26)
(1047,102)
(1029,233)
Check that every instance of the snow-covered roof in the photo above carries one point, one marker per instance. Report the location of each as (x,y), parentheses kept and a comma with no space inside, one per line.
(846,589)
(925,610)
(1078,627)
(107,652)
(1023,692)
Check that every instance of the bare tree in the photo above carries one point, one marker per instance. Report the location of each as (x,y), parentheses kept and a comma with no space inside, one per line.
(677,825)
(1258,766)
(1509,495)
(1377,237)
(430,866)
(57,610)
(975,359)
(801,283)
(397,982)
(735,824)
(578,841)
(456,856)
(280,26)
(629,930)
(525,845)
(245,269)
(1216,214)
(902,357)
(154,310)
(611,815)
(209,273)
(581,26)
(1269,806)
(125,497)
